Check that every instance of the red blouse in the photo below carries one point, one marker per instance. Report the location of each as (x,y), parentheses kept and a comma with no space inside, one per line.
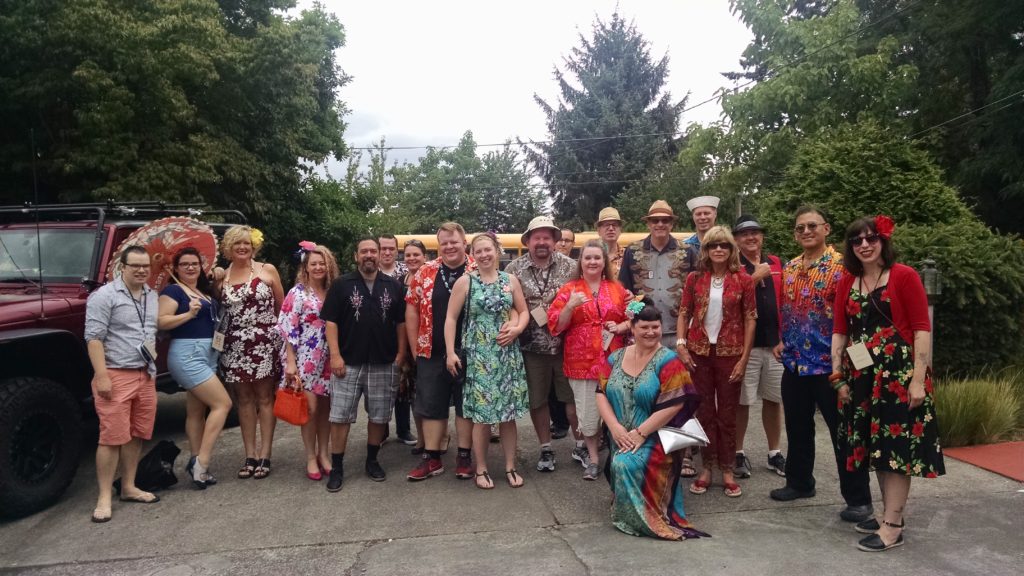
(583,353)
(908,300)
(738,304)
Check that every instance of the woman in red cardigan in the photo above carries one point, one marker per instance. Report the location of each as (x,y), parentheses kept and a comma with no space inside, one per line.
(717,314)
(881,343)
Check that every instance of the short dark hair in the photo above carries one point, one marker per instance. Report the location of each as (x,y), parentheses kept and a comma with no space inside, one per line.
(367,239)
(850,260)
(416,243)
(811,209)
(133,249)
(650,313)
(387,236)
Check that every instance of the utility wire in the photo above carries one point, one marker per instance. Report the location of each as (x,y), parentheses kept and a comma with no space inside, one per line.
(970,112)
(768,75)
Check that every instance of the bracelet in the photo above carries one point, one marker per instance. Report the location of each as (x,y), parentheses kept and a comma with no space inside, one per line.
(642,435)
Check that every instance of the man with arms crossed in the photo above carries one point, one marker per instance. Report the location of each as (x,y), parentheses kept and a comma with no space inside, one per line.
(541,272)
(808,290)
(120,334)
(436,389)
(609,228)
(763,377)
(387,264)
(365,315)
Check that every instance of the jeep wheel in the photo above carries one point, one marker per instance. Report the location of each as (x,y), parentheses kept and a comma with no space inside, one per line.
(40,444)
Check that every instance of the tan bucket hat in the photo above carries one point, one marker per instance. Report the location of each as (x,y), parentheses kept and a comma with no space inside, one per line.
(660,209)
(608,215)
(538,223)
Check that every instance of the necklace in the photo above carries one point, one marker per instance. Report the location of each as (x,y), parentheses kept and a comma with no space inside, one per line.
(717,282)
(232,295)
(448,278)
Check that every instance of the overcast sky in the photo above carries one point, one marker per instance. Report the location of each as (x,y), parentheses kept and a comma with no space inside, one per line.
(424,72)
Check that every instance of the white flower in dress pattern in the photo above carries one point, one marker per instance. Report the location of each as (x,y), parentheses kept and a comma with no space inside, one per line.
(356,300)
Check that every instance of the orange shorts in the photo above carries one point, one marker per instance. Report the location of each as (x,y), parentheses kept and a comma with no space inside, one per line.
(131,410)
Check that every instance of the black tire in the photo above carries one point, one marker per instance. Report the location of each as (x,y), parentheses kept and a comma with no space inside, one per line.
(40,444)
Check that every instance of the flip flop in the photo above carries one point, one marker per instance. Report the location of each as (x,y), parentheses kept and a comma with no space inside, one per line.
(141,499)
(733,490)
(100,518)
(511,475)
(699,487)
(486,477)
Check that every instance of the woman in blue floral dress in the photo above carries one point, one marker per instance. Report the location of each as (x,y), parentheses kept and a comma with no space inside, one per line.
(304,354)
(880,350)
(495,388)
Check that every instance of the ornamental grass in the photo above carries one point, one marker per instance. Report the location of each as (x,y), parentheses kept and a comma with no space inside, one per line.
(980,409)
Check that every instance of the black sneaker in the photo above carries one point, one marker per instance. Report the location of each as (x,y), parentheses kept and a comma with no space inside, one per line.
(335,480)
(559,433)
(857,513)
(407,438)
(742,467)
(777,464)
(375,471)
(785,494)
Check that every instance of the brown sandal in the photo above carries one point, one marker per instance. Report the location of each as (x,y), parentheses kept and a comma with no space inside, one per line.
(511,476)
(487,478)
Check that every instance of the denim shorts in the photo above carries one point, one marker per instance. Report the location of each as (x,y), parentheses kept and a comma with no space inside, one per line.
(192,361)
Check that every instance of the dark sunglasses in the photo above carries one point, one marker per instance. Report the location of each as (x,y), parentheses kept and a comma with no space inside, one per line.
(858,240)
(415,243)
(810,226)
(719,246)
(660,220)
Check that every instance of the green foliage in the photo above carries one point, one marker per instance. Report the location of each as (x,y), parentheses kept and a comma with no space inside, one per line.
(181,100)
(610,86)
(977,410)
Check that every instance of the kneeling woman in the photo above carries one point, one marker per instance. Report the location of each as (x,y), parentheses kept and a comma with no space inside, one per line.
(188,311)
(647,388)
(495,387)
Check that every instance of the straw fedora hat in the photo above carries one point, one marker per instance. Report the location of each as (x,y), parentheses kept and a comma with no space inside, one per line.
(608,215)
(660,209)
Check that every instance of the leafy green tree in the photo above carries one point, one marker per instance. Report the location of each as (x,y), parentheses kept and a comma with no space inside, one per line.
(612,121)
(230,104)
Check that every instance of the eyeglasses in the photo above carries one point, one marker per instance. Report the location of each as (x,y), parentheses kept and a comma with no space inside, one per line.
(872,239)
(719,246)
(188,264)
(810,227)
(660,220)
(137,266)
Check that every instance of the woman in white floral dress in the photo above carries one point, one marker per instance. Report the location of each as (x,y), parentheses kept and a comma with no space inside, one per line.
(251,293)
(304,353)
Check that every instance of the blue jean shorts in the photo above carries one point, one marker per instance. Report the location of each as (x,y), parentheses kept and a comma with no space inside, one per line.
(192,361)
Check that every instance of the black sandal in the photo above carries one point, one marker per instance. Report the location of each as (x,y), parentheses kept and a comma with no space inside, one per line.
(487,477)
(248,469)
(262,469)
(511,475)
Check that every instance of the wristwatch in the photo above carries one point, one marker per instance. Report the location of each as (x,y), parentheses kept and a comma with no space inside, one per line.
(680,342)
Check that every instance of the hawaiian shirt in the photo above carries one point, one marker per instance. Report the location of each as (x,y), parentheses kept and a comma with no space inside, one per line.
(539,289)
(658,274)
(806,314)
(616,260)
(738,305)
(584,337)
(421,296)
(399,272)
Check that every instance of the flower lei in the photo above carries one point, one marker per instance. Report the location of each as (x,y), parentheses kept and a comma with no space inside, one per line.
(884,226)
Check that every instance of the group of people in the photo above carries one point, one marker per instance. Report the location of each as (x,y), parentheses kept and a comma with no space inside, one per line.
(630,339)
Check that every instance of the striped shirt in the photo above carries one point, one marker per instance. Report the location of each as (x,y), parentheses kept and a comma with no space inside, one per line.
(121,323)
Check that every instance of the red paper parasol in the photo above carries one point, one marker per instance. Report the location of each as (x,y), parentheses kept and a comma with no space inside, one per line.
(163,239)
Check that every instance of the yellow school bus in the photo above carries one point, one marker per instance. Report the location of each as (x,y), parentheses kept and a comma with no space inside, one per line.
(513,248)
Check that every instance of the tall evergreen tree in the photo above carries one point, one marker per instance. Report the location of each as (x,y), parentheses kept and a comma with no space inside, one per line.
(612,121)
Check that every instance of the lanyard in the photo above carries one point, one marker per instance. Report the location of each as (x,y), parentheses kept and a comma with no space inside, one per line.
(141,314)
(547,278)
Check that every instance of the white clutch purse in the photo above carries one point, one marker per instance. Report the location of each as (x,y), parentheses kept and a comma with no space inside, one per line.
(690,434)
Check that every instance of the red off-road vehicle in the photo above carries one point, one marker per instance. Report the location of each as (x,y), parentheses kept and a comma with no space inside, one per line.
(45,372)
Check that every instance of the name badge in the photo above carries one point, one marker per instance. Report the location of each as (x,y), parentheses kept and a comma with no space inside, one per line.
(218,341)
(540,316)
(860,356)
(606,339)
(650,274)
(148,351)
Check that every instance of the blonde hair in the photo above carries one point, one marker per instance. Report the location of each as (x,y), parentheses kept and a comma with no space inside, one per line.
(485,236)
(302,277)
(718,234)
(234,235)
(452,227)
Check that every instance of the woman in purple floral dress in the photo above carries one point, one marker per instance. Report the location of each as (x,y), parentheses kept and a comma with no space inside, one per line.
(305,355)
(251,294)
(880,350)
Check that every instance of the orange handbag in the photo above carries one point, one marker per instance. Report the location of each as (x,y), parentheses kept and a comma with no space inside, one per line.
(291,405)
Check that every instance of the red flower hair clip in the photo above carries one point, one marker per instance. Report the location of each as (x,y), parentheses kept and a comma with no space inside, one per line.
(884,226)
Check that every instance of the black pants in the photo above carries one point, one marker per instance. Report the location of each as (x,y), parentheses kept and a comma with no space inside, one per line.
(558,417)
(800,395)
(402,412)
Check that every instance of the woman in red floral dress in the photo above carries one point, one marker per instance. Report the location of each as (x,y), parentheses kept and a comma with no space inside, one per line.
(880,349)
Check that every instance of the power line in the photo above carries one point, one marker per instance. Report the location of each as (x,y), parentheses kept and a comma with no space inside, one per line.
(970,112)
(768,75)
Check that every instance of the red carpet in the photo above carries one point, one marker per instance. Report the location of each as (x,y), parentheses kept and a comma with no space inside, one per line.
(1006,458)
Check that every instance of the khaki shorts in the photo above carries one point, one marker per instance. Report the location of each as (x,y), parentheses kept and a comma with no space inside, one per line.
(542,372)
(763,378)
(131,410)
(585,394)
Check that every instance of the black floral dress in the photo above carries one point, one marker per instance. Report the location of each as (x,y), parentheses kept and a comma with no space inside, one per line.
(878,425)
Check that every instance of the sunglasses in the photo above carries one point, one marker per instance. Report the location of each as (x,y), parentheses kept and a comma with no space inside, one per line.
(810,227)
(415,243)
(872,239)
(660,220)
(719,246)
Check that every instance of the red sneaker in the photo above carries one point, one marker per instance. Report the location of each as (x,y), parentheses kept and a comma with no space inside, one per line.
(426,469)
(463,467)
